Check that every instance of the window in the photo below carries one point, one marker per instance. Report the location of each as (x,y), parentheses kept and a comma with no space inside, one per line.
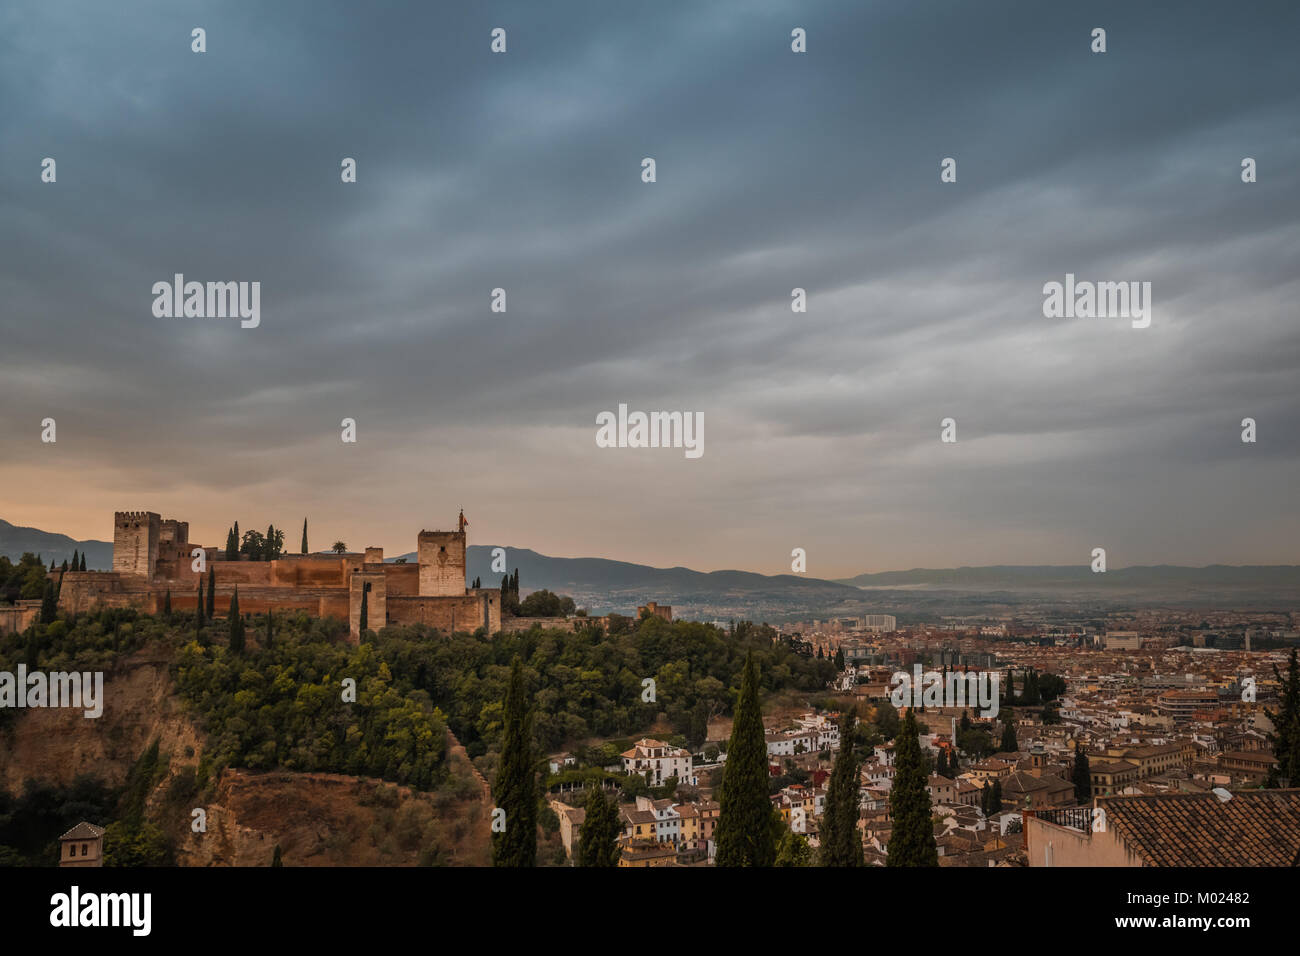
(85,849)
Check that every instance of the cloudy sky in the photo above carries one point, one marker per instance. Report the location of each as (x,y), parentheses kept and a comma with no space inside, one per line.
(775,170)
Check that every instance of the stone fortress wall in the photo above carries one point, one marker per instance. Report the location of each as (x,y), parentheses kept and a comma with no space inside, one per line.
(153,556)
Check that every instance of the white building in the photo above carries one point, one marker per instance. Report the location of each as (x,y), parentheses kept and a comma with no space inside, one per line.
(657,761)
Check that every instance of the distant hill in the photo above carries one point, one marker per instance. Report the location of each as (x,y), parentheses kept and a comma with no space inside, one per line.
(602,585)
(59,547)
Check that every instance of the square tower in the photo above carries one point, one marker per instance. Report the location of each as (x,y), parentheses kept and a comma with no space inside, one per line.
(442,563)
(135,542)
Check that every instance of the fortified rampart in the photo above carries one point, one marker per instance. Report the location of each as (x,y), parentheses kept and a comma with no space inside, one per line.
(153,557)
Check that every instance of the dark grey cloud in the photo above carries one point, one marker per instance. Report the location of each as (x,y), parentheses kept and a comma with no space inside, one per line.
(775,170)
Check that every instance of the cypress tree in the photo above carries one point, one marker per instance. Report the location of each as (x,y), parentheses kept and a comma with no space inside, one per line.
(840,838)
(236,624)
(276,859)
(912,841)
(64,565)
(49,607)
(515,791)
(212,593)
(53,567)
(268,543)
(238,541)
(995,801)
(365,608)
(83,560)
(599,837)
(75,560)
(304,535)
(198,607)
(1009,743)
(232,545)
(744,832)
(1081,778)
(1285,737)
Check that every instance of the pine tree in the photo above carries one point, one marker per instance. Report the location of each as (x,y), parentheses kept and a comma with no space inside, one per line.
(515,790)
(1285,737)
(840,838)
(212,593)
(744,832)
(49,607)
(167,606)
(599,836)
(912,841)
(83,561)
(1081,778)
(1009,743)
(304,535)
(236,624)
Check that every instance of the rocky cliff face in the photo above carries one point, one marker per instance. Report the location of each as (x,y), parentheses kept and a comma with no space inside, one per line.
(140,705)
(316,819)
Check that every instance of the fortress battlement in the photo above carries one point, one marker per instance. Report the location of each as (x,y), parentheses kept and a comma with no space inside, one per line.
(151,558)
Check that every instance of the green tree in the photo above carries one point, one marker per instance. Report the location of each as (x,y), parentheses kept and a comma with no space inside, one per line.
(1081,778)
(744,835)
(83,561)
(1285,736)
(304,536)
(840,838)
(270,630)
(516,781)
(167,606)
(365,608)
(339,547)
(49,608)
(75,560)
(911,842)
(1009,743)
(232,545)
(995,800)
(599,837)
(236,624)
(198,607)
(212,593)
(793,850)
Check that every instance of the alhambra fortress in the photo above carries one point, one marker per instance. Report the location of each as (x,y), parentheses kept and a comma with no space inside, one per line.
(153,556)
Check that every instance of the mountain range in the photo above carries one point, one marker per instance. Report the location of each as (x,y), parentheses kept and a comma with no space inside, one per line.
(602,585)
